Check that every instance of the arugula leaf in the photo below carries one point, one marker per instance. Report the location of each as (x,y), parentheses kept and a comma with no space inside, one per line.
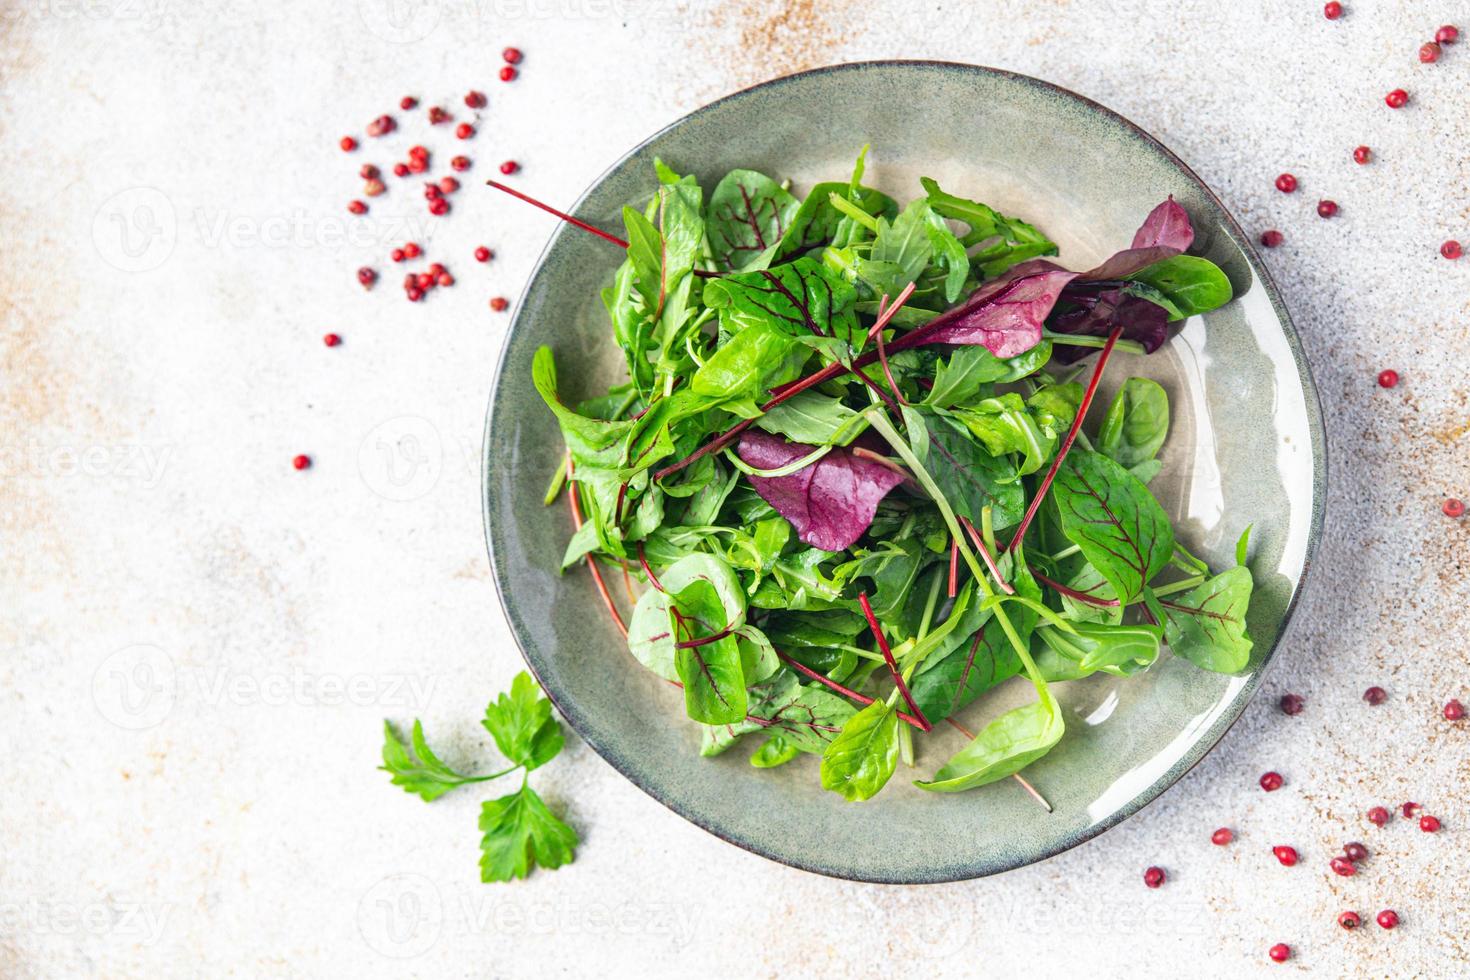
(814,419)
(594,443)
(969,369)
(862,759)
(521,833)
(1137,423)
(522,726)
(750,363)
(1113,518)
(1206,626)
(747,218)
(1098,646)
(415,767)
(1002,748)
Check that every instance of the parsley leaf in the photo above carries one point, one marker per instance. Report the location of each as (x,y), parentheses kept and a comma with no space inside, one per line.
(522,725)
(520,833)
(416,768)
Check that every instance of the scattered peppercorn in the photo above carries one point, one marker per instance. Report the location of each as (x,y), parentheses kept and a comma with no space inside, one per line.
(448,185)
(1271,782)
(1349,920)
(1286,183)
(1271,238)
(1222,837)
(1448,34)
(1279,953)
(1326,209)
(1453,710)
(367,277)
(408,102)
(1378,816)
(1375,696)
(509,167)
(1409,809)
(460,163)
(464,131)
(357,207)
(398,255)
(1388,918)
(1292,704)
(1453,507)
(1451,249)
(1354,851)
(367,171)
(1388,378)
(373,187)
(1332,10)
(475,100)
(438,115)
(382,126)
(1153,877)
(301,462)
(348,144)
(1342,866)
(332,340)
(1428,824)
(508,74)
(1362,154)
(499,303)
(438,206)
(483,254)
(412,250)
(1429,53)
(513,55)
(1285,854)
(1396,99)
(400,170)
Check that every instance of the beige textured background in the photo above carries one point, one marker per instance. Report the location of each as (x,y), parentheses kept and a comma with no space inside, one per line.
(197,643)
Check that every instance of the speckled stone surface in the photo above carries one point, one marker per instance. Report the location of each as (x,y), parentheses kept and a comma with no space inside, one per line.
(199,642)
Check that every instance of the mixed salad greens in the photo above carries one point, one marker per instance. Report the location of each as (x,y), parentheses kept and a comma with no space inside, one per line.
(849,470)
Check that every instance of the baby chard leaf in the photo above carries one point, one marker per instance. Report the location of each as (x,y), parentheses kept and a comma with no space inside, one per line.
(707,656)
(1206,626)
(862,759)
(1003,748)
(1114,520)
(802,299)
(747,217)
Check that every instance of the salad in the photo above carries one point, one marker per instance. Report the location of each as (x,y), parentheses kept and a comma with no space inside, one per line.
(850,475)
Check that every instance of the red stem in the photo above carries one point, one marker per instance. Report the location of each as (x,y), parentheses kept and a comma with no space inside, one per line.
(1071,593)
(979,544)
(1067,443)
(643,560)
(903,689)
(954,565)
(560,214)
(862,699)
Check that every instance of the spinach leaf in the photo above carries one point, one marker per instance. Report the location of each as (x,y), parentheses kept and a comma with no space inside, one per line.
(863,757)
(1206,625)
(747,217)
(1136,424)
(1113,518)
(774,751)
(1002,748)
(1191,284)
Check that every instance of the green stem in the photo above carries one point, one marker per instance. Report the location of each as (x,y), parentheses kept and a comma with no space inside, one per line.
(1183,585)
(1082,340)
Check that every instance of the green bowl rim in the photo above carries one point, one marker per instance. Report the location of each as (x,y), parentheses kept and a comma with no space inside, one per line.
(1201,747)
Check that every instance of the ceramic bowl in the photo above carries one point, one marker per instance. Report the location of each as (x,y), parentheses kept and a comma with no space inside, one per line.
(1246,447)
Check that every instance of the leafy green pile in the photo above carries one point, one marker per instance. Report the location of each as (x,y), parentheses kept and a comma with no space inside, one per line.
(820,443)
(520,831)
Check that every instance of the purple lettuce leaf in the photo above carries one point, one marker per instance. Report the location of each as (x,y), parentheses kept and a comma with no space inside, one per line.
(1165,233)
(830,502)
(1098,311)
(1003,316)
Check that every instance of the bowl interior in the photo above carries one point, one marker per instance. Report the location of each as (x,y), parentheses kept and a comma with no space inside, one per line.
(1245,447)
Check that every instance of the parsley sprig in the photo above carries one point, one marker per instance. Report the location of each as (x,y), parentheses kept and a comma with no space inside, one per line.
(520,831)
